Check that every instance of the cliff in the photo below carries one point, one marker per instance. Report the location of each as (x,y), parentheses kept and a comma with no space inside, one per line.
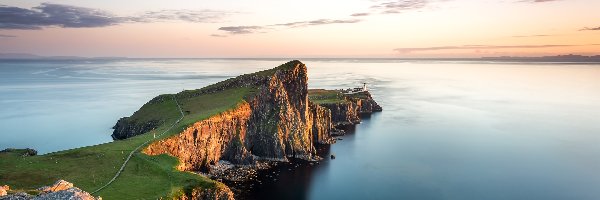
(346,108)
(219,192)
(275,122)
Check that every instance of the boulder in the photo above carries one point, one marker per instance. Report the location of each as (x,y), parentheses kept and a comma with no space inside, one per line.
(60,185)
(3,190)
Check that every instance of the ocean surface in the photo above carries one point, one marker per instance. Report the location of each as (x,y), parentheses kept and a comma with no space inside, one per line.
(449,129)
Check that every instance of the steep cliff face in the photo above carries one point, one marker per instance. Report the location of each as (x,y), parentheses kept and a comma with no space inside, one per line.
(348,112)
(322,124)
(365,103)
(277,122)
(344,113)
(206,141)
(219,192)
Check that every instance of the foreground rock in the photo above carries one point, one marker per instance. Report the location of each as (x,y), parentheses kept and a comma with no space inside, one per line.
(59,190)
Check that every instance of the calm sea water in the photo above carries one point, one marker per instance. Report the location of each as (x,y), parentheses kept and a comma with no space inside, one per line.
(449,130)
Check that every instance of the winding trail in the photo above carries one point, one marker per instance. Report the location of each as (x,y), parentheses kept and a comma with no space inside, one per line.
(140,146)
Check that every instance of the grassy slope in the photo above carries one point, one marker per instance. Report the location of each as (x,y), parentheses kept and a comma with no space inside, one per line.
(144,177)
(320,96)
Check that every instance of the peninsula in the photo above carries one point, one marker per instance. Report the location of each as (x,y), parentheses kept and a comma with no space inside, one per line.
(172,145)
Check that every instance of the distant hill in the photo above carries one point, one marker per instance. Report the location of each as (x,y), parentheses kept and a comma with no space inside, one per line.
(26,56)
(559,58)
(19,56)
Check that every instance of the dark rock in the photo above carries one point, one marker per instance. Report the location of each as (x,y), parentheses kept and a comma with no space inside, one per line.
(126,128)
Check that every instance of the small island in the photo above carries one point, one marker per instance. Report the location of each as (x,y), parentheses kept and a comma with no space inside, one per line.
(181,146)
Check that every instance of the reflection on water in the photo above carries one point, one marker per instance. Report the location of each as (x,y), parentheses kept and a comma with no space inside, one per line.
(449,130)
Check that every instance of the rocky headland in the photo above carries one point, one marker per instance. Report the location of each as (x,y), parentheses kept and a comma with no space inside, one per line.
(276,122)
(228,131)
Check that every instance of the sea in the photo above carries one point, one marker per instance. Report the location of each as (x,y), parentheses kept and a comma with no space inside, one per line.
(457,130)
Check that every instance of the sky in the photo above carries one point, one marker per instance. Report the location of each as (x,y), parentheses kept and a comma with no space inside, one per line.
(308,28)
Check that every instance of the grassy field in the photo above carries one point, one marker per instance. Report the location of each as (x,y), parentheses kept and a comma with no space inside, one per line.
(320,96)
(144,177)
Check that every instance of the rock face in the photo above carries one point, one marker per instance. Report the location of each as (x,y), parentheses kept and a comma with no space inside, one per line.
(343,114)
(219,192)
(276,123)
(206,141)
(3,190)
(348,112)
(59,190)
(126,128)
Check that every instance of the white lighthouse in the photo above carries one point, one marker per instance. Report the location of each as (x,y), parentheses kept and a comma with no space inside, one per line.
(364,87)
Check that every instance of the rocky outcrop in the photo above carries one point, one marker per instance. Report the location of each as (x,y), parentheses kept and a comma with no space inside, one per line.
(322,124)
(342,114)
(25,152)
(126,128)
(365,103)
(219,192)
(4,190)
(276,122)
(59,190)
(348,112)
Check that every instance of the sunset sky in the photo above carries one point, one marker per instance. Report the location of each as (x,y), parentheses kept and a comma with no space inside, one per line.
(308,28)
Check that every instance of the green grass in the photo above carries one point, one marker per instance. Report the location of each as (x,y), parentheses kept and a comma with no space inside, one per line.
(321,96)
(144,177)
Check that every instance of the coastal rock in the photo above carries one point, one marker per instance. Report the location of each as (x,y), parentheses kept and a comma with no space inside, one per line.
(126,128)
(322,124)
(71,194)
(219,192)
(58,186)
(349,111)
(59,190)
(4,190)
(343,114)
(205,142)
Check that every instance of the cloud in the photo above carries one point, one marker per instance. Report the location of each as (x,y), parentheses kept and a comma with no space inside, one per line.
(398,6)
(66,16)
(590,29)
(360,14)
(236,30)
(538,1)
(318,22)
(7,36)
(528,36)
(217,35)
(196,16)
(481,47)
(48,14)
